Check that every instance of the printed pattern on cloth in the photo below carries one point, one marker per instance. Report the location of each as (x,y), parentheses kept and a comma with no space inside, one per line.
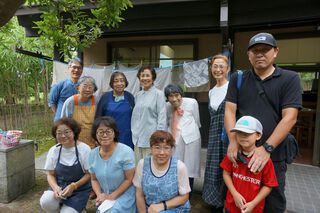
(196,73)
(158,189)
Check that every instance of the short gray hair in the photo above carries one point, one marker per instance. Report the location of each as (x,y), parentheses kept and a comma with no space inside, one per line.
(73,60)
(88,78)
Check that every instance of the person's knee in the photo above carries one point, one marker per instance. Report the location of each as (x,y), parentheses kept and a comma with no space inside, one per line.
(48,202)
(68,209)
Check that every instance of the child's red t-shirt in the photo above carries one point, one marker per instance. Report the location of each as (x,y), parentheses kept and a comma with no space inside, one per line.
(247,183)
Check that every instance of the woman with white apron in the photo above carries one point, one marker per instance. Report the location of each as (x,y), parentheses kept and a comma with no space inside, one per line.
(67,166)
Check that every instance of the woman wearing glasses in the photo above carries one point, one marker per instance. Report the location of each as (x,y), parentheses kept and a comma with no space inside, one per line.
(67,170)
(112,167)
(212,192)
(82,108)
(161,180)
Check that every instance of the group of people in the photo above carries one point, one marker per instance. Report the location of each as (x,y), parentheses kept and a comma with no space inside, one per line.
(107,142)
(142,153)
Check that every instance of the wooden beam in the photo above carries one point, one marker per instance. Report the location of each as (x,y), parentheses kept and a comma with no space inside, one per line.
(142,2)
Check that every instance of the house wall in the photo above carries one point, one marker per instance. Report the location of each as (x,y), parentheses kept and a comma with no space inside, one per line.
(208,45)
(292,50)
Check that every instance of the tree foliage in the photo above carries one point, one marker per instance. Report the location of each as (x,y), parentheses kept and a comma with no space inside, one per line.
(66,24)
(21,76)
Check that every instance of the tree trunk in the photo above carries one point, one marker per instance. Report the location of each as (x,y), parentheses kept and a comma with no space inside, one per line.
(8,9)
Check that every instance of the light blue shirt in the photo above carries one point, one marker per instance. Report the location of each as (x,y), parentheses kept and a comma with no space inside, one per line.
(110,175)
(149,114)
(59,94)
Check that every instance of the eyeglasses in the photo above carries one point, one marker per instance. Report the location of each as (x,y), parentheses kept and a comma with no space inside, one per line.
(65,133)
(76,67)
(221,67)
(101,133)
(120,80)
(159,148)
(89,87)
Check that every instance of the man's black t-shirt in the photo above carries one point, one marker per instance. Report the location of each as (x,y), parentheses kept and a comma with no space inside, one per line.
(282,89)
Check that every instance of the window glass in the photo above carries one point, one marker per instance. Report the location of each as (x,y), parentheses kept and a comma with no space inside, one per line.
(158,55)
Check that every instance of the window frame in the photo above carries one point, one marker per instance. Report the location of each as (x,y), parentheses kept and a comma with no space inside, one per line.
(152,44)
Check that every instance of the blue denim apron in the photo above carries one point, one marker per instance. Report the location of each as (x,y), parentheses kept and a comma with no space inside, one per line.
(66,175)
(121,111)
(166,187)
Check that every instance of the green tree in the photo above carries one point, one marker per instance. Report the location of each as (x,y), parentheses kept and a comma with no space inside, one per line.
(21,76)
(67,25)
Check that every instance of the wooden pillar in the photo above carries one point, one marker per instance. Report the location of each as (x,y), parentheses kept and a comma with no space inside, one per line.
(316,147)
(225,31)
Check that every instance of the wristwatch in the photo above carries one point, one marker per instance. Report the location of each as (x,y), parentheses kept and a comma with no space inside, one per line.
(269,148)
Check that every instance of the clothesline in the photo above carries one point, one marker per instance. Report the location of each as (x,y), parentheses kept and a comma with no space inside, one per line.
(172,67)
(139,64)
(194,74)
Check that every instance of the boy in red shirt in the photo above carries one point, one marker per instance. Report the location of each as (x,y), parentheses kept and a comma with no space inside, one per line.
(246,190)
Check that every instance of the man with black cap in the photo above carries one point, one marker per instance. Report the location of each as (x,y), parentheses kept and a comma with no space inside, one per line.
(273,96)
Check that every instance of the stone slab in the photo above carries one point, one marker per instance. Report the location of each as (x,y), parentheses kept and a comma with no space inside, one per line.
(17,170)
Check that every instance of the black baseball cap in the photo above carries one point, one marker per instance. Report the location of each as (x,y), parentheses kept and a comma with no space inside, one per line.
(262,38)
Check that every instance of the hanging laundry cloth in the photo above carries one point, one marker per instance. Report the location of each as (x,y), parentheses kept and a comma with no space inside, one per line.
(102,74)
(196,73)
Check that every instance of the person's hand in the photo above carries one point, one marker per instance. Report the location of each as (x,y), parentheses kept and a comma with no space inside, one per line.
(53,108)
(239,200)
(102,197)
(155,208)
(247,208)
(67,192)
(57,191)
(232,152)
(259,159)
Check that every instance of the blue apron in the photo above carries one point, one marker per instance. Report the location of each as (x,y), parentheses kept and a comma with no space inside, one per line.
(121,111)
(166,187)
(68,174)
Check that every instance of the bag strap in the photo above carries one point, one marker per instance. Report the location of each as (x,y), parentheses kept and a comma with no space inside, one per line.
(239,79)
(264,96)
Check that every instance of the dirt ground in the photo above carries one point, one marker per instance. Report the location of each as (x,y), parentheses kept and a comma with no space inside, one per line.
(29,202)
